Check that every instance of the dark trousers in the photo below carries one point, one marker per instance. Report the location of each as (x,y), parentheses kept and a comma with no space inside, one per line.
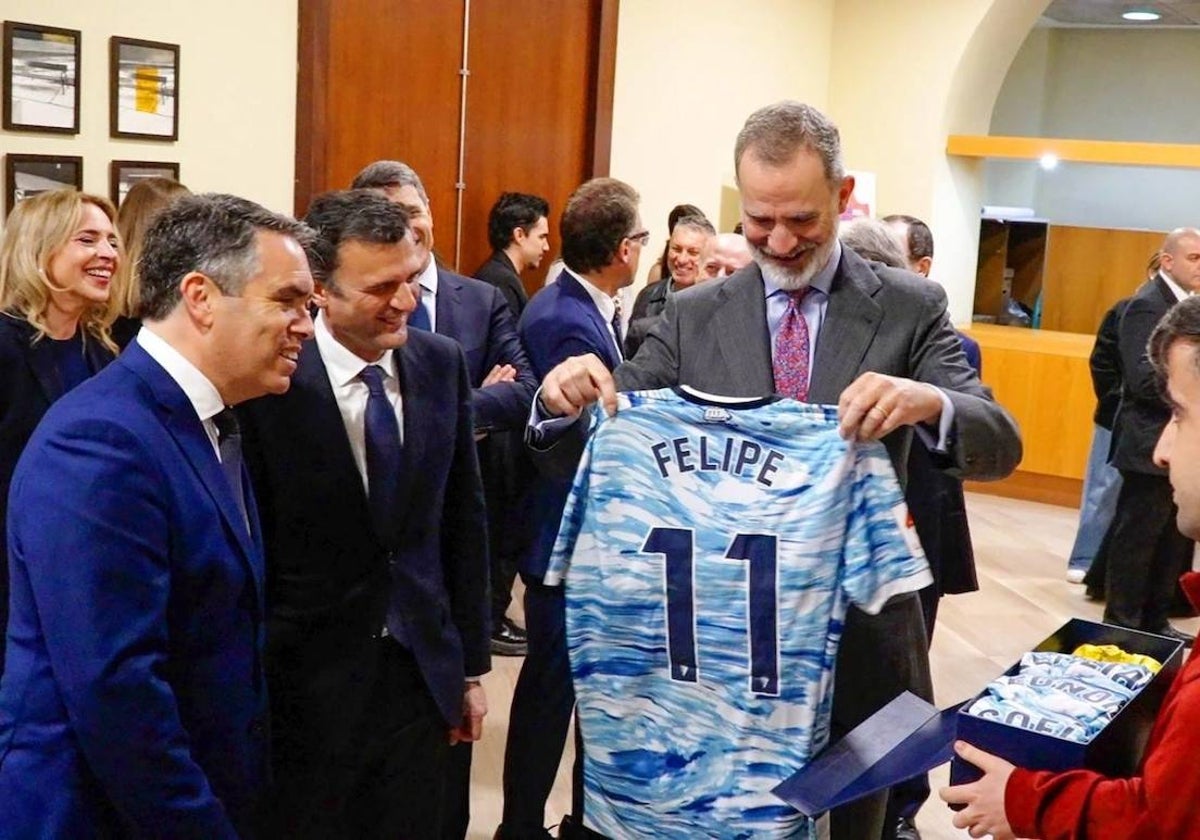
(1145,553)
(507,474)
(880,656)
(456,810)
(541,714)
(386,782)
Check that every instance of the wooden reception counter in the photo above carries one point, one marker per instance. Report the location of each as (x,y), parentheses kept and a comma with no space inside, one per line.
(1042,378)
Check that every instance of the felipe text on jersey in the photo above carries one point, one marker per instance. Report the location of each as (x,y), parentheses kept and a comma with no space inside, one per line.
(736,456)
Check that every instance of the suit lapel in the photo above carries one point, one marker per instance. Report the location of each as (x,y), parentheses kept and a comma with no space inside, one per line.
(572,288)
(741,331)
(42,363)
(851,320)
(416,407)
(179,418)
(449,293)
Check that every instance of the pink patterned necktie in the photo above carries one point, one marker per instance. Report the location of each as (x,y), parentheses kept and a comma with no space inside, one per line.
(791,350)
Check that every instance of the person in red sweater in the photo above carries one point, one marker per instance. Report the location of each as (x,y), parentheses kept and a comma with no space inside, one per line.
(1161,802)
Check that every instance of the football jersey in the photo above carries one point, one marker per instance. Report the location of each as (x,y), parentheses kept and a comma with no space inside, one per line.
(710,550)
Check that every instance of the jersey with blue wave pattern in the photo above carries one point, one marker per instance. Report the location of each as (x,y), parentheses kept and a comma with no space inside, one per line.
(710,554)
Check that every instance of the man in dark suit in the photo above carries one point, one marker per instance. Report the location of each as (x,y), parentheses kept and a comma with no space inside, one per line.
(519,234)
(374,527)
(474,314)
(881,348)
(1146,549)
(939,511)
(689,248)
(133,702)
(603,239)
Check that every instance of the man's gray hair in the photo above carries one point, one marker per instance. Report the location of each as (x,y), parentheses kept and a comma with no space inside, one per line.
(777,132)
(700,223)
(389,173)
(871,239)
(211,234)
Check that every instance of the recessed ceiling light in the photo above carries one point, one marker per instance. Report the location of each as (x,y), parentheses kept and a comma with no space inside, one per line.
(1048,161)
(1141,16)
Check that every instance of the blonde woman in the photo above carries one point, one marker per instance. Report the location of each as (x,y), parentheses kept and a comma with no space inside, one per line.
(58,261)
(144,201)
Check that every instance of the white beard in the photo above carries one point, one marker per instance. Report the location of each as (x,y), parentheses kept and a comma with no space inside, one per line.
(793,279)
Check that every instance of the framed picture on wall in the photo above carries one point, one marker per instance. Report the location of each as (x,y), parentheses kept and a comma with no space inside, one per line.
(143,89)
(123,174)
(41,78)
(26,175)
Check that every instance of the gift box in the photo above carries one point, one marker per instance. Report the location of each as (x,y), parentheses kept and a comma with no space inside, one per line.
(909,737)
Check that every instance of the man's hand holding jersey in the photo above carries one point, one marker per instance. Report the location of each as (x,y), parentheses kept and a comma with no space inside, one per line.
(872,406)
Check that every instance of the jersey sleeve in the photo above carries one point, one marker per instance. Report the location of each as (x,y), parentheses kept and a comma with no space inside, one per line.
(882,555)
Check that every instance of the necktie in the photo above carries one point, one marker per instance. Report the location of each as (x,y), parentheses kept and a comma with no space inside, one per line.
(791,350)
(382,433)
(616,328)
(420,316)
(229,443)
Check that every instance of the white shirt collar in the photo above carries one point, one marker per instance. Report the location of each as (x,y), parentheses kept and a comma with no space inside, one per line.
(342,365)
(1177,290)
(197,387)
(429,277)
(603,300)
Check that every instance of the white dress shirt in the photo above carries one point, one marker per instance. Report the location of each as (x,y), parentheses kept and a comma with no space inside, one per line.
(343,368)
(197,387)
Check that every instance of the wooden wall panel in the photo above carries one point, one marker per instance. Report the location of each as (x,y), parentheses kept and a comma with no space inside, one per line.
(530,104)
(1090,269)
(1042,378)
(381,79)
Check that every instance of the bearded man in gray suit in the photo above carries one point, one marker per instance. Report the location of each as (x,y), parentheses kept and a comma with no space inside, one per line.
(881,347)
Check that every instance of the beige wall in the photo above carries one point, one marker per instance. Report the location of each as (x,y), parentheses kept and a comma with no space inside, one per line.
(688,74)
(237,83)
(903,77)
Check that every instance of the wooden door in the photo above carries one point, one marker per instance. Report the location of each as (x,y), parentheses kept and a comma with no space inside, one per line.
(381,79)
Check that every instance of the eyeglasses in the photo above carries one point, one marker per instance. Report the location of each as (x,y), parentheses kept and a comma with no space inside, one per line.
(641,237)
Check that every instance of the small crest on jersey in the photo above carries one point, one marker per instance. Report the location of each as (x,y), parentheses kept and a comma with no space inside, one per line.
(908,530)
(713,414)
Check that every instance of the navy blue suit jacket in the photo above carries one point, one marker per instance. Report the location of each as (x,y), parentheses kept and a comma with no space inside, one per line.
(331,578)
(29,383)
(560,321)
(133,702)
(475,314)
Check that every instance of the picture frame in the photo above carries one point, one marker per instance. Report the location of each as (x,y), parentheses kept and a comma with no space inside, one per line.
(41,78)
(143,89)
(27,175)
(123,174)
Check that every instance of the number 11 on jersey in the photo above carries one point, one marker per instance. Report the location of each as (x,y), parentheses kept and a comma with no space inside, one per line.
(677,545)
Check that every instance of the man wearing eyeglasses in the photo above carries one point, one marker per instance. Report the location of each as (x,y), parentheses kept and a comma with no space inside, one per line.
(602,240)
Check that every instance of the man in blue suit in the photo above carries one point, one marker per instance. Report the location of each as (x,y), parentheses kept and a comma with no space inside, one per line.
(374,527)
(134,702)
(603,238)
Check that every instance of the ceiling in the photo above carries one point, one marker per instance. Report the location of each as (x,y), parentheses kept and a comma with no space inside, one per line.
(1107,13)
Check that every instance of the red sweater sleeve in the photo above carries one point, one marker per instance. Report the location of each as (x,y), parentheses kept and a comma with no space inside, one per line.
(1163,802)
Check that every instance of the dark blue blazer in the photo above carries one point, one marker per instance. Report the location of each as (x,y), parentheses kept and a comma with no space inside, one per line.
(330,577)
(560,321)
(29,383)
(475,314)
(133,702)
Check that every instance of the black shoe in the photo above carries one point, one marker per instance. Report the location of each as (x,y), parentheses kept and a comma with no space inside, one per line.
(1175,635)
(906,829)
(509,640)
(501,834)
